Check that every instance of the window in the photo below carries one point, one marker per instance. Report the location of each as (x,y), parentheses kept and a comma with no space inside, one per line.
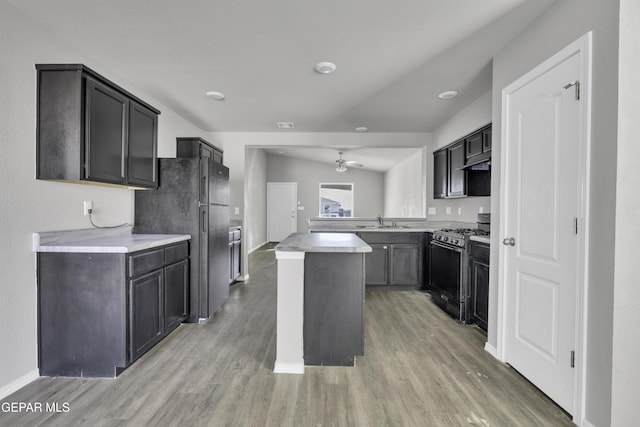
(336,200)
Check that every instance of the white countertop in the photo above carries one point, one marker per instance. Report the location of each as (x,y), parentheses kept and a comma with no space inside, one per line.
(361,226)
(117,240)
(482,239)
(323,242)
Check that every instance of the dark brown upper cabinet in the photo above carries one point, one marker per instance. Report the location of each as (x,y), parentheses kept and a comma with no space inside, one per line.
(92,131)
(456,178)
(463,168)
(478,146)
(440,174)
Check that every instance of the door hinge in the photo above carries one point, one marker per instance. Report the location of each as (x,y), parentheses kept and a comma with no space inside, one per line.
(573,359)
(575,225)
(577,85)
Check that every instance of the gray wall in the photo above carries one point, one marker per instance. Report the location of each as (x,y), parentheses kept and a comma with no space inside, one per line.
(255,199)
(626,333)
(368,185)
(557,27)
(405,188)
(471,118)
(29,205)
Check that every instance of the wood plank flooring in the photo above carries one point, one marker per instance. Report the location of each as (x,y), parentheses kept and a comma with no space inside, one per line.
(420,368)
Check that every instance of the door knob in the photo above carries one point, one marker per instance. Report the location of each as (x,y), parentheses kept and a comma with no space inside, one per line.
(509,241)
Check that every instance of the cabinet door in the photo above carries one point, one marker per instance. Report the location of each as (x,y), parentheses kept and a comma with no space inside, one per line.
(232,268)
(142,146)
(146,313)
(236,259)
(456,174)
(405,265)
(486,140)
(176,293)
(106,124)
(480,293)
(426,271)
(440,174)
(473,145)
(377,265)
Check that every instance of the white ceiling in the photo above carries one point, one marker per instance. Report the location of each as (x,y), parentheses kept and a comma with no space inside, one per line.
(377,159)
(393,57)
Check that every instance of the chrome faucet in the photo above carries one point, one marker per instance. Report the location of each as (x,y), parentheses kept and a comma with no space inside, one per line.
(380,220)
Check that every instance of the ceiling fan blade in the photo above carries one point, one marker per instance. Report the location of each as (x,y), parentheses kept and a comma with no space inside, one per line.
(353,163)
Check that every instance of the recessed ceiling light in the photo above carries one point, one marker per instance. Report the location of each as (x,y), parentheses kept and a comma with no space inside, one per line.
(448,94)
(362,129)
(285,125)
(218,96)
(325,67)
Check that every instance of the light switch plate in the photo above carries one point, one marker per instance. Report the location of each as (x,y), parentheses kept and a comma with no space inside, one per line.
(448,210)
(300,208)
(236,210)
(432,211)
(459,211)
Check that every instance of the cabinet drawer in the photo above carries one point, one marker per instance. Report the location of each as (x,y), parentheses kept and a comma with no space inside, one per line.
(480,251)
(176,253)
(146,261)
(390,238)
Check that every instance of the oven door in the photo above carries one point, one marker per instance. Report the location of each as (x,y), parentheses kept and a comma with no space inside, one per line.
(446,276)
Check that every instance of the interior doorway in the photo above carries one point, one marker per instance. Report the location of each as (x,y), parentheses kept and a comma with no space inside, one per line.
(282,210)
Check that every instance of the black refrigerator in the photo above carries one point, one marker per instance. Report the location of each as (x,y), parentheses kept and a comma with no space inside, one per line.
(193,198)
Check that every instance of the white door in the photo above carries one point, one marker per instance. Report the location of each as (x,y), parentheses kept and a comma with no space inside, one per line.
(542,202)
(282,210)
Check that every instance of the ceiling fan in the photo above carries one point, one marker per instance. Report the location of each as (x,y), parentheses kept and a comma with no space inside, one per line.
(342,164)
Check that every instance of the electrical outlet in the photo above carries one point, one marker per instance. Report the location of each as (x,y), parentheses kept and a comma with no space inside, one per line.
(459,211)
(88,207)
(448,210)
(481,209)
(236,210)
(432,211)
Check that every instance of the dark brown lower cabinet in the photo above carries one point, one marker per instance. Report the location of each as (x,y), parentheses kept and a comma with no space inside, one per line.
(146,313)
(396,258)
(479,283)
(99,312)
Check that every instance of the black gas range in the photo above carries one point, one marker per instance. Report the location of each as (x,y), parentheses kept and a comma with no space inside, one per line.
(448,279)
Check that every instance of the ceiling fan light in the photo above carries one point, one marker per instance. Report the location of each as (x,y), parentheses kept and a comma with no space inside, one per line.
(341,168)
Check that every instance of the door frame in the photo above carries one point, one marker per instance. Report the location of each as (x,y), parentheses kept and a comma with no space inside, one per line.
(583,48)
(295,218)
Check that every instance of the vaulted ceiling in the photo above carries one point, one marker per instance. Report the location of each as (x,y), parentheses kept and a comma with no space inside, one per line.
(393,57)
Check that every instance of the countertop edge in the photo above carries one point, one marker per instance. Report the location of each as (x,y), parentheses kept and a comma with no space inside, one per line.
(93,246)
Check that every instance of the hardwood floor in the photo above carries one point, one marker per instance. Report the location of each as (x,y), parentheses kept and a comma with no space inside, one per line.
(420,368)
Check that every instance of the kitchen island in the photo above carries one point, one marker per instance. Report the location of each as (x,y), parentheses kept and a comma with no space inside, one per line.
(320,305)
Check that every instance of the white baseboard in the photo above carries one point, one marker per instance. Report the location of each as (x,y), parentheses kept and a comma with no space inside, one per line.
(491,349)
(257,247)
(288,368)
(17,384)
(586,423)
